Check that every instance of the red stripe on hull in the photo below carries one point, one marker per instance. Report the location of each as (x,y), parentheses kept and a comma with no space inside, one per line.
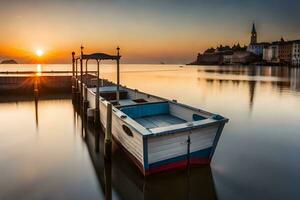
(199,161)
(178,165)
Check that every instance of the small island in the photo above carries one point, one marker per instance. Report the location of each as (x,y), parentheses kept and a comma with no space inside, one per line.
(8,62)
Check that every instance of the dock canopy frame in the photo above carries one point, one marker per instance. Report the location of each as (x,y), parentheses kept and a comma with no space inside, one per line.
(99,57)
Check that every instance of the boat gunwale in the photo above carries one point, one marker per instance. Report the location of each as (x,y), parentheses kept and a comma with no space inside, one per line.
(190,125)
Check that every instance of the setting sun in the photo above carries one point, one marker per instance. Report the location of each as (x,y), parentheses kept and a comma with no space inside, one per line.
(39,52)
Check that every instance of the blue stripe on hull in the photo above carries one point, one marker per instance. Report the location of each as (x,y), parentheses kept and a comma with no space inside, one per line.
(204,153)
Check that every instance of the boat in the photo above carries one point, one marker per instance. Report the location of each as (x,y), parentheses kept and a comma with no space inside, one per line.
(158,134)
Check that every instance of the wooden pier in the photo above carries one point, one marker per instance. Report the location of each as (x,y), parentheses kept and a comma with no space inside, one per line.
(26,85)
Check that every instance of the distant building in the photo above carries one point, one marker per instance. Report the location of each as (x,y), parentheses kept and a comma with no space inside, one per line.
(271,53)
(254,46)
(285,51)
(296,53)
(244,57)
(279,52)
(227,59)
(208,59)
(253,35)
(220,55)
(258,48)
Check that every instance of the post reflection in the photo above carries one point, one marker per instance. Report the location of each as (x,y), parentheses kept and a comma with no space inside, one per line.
(97,139)
(107,179)
(36,106)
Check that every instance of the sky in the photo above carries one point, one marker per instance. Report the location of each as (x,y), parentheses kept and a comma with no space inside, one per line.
(147,31)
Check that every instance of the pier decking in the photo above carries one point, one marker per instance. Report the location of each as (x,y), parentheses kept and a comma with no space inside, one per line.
(26,84)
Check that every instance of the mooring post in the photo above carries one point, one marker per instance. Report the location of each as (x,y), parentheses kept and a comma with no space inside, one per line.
(76,73)
(118,74)
(73,77)
(77,84)
(85,102)
(107,141)
(81,76)
(97,110)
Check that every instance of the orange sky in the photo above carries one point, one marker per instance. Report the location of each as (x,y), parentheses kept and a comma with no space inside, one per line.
(147,31)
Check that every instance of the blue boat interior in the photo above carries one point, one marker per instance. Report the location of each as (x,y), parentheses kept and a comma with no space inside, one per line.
(154,115)
(148,114)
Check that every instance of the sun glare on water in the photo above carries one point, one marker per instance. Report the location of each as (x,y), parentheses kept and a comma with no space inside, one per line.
(39,70)
(39,52)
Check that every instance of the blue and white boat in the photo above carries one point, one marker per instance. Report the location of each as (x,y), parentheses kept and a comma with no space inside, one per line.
(158,134)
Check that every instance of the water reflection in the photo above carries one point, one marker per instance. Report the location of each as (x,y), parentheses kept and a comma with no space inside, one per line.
(55,165)
(280,77)
(256,158)
(39,70)
(36,108)
(122,180)
(286,79)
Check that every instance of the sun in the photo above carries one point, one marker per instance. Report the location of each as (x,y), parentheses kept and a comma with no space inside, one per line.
(39,52)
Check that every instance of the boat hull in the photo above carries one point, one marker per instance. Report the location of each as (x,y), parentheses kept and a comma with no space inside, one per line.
(201,157)
(159,149)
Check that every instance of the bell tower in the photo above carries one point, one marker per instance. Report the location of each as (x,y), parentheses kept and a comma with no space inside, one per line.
(253,35)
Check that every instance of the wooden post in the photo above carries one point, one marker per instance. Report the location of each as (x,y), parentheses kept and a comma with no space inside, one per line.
(85,102)
(76,73)
(73,64)
(107,140)
(86,69)
(73,76)
(97,110)
(77,101)
(81,75)
(118,74)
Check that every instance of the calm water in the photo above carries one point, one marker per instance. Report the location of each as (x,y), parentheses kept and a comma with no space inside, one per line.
(47,154)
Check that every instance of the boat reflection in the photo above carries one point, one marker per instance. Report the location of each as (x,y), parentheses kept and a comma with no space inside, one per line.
(121,178)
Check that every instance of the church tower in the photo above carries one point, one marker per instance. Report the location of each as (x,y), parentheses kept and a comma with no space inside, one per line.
(253,35)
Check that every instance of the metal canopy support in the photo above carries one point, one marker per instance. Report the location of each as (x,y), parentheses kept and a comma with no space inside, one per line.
(76,72)
(98,85)
(73,64)
(86,80)
(118,74)
(83,91)
(85,102)
(73,77)
(81,73)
